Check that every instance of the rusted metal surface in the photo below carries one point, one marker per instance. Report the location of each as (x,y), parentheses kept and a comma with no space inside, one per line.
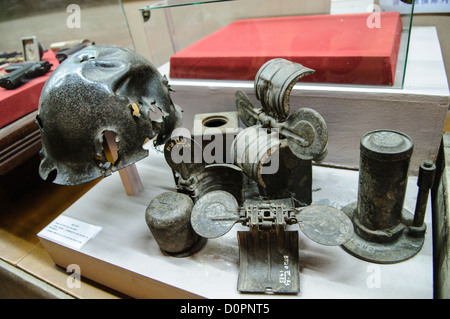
(268,262)
(384,230)
(270,185)
(273,85)
(384,165)
(101,88)
(306,133)
(252,149)
(292,179)
(215,214)
(427,171)
(276,148)
(168,217)
(268,250)
(325,225)
(305,129)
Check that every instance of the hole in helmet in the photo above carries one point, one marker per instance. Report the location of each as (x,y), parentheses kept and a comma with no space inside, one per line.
(39,122)
(52,175)
(110,146)
(156,114)
(86,57)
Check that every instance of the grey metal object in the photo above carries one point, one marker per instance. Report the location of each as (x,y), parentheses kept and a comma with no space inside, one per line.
(292,179)
(325,225)
(215,214)
(252,149)
(427,171)
(268,251)
(268,262)
(273,84)
(276,148)
(168,217)
(191,174)
(274,154)
(384,231)
(184,156)
(305,129)
(101,88)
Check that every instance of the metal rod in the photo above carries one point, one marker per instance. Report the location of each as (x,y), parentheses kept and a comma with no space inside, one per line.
(425,182)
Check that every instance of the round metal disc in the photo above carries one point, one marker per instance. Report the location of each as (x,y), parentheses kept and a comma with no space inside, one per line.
(184,156)
(214,214)
(244,108)
(306,133)
(325,225)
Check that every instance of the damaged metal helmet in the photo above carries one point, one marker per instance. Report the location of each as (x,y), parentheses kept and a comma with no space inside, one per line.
(98,89)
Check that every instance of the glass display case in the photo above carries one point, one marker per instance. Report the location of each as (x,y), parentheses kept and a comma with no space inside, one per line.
(58,21)
(362,43)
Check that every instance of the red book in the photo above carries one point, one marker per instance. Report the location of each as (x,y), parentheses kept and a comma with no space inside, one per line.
(340,48)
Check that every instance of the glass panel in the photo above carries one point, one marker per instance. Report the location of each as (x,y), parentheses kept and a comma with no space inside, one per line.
(177,3)
(361,42)
(52,21)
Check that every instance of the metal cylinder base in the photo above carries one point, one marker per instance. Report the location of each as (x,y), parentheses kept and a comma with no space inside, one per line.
(385,247)
(196,247)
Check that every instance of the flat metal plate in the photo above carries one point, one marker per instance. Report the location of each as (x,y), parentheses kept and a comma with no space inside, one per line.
(214,214)
(268,262)
(325,225)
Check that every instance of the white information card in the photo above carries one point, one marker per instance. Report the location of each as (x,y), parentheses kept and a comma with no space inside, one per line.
(69,232)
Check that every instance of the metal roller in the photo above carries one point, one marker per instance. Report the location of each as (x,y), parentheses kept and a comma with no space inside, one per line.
(273,84)
(252,148)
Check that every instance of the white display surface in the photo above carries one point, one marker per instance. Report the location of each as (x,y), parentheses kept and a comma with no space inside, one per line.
(125,256)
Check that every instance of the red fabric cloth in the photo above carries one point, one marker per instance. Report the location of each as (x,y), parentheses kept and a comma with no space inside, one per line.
(25,99)
(340,48)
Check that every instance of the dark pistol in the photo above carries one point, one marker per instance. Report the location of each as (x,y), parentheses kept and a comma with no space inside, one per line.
(20,73)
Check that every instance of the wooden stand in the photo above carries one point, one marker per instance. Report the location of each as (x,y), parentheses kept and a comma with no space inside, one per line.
(129,175)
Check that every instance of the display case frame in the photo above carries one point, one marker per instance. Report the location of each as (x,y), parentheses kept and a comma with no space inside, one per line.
(174,27)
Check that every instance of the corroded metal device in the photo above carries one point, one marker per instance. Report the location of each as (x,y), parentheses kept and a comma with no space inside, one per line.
(267,185)
(274,136)
(385,231)
(269,250)
(275,153)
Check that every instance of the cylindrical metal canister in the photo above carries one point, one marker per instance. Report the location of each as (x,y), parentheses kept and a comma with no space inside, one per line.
(252,151)
(383,175)
(168,217)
